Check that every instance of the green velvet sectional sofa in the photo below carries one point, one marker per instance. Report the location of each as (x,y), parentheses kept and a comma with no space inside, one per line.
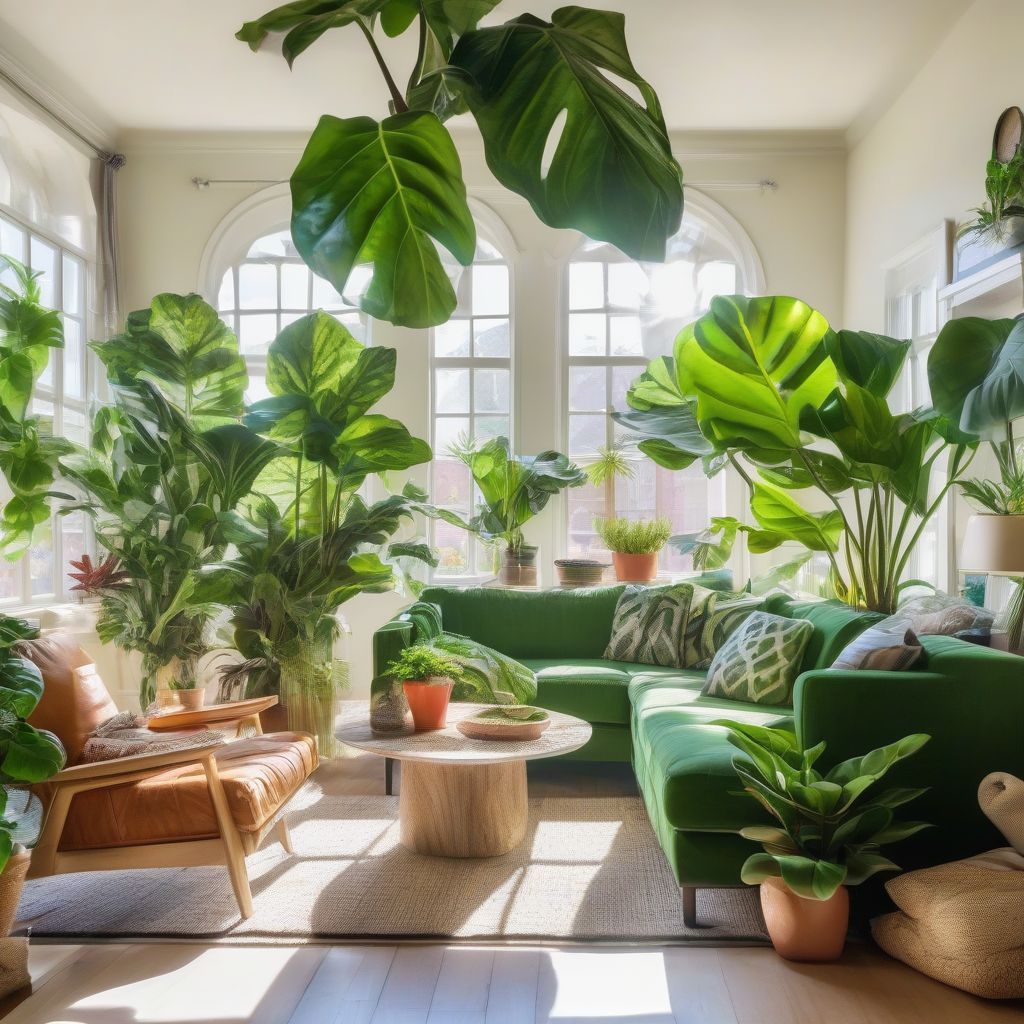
(970,699)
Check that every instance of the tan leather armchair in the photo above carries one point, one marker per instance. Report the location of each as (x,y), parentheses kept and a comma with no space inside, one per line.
(200,806)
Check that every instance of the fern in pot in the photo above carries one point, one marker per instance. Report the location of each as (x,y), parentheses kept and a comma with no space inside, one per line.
(427,678)
(635,546)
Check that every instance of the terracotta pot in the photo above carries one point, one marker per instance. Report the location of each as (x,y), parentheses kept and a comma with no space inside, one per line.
(192,700)
(635,568)
(12,878)
(803,929)
(428,700)
(519,568)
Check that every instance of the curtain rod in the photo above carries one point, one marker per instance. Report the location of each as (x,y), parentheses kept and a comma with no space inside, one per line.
(100,151)
(764,185)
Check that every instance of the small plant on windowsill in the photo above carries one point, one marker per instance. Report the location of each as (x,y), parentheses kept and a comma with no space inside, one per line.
(427,679)
(634,545)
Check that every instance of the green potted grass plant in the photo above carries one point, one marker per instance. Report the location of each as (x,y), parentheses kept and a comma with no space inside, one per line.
(635,545)
(829,828)
(427,678)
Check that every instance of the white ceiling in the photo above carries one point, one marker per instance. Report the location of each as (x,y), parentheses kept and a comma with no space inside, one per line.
(717,64)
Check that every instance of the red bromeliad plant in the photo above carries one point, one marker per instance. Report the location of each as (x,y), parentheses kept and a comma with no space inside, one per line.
(93,580)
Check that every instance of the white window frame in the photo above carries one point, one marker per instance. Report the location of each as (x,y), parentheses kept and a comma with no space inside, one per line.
(54,395)
(750,280)
(492,230)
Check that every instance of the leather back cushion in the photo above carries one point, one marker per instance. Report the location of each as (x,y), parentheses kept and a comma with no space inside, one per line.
(71,707)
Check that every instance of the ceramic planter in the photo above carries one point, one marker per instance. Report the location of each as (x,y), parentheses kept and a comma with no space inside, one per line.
(519,568)
(428,701)
(12,879)
(389,708)
(192,700)
(803,929)
(309,691)
(635,568)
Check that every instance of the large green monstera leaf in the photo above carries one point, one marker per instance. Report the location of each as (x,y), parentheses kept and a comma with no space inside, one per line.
(611,174)
(976,375)
(378,195)
(305,21)
(754,365)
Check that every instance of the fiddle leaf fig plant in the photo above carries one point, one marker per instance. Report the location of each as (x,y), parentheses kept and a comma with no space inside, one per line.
(766,386)
(549,98)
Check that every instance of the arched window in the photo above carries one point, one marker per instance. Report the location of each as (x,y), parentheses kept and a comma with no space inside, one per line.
(471,388)
(268,289)
(620,315)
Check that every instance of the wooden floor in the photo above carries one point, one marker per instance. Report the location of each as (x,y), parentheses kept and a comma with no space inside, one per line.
(172,983)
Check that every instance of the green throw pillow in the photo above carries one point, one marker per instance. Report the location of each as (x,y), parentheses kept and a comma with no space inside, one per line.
(490,676)
(722,620)
(649,624)
(702,607)
(759,663)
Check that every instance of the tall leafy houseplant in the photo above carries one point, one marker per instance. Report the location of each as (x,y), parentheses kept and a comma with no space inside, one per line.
(976,375)
(28,450)
(558,128)
(168,463)
(766,386)
(308,542)
(513,489)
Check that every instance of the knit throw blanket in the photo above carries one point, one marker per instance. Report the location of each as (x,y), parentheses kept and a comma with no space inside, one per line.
(126,735)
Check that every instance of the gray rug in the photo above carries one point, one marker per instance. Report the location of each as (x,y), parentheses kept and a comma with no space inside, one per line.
(589,869)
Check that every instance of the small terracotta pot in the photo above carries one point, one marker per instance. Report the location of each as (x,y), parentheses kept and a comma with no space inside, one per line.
(192,700)
(12,879)
(803,929)
(428,701)
(635,568)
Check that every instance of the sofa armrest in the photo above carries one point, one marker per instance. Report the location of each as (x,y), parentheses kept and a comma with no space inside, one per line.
(389,641)
(971,704)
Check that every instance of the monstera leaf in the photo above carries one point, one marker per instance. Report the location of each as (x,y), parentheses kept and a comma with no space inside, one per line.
(872,361)
(754,365)
(976,375)
(305,21)
(777,513)
(186,353)
(538,88)
(379,195)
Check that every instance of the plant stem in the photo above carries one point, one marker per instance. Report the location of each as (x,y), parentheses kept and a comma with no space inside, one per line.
(396,95)
(421,47)
(298,494)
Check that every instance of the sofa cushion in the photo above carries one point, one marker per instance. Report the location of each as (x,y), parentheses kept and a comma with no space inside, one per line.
(566,624)
(650,624)
(683,763)
(259,775)
(835,625)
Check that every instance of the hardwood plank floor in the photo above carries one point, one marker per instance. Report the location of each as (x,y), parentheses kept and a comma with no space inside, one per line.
(436,984)
(195,984)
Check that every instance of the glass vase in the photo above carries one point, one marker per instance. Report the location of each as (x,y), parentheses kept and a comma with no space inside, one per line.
(310,687)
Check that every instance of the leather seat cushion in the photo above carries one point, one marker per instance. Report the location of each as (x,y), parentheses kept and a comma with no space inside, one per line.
(259,775)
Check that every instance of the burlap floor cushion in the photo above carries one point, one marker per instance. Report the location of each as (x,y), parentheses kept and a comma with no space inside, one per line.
(961,923)
(13,965)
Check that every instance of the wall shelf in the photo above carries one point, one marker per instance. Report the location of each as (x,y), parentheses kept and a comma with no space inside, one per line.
(995,290)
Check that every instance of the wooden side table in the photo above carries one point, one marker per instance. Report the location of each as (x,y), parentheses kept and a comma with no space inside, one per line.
(242,714)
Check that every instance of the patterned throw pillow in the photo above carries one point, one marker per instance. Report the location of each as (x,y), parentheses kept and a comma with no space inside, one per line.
(759,663)
(889,645)
(490,676)
(944,614)
(702,607)
(716,627)
(649,625)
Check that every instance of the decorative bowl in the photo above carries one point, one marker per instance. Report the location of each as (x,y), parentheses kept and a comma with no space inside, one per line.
(512,723)
(579,572)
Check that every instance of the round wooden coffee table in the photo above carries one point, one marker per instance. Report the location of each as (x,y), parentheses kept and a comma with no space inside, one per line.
(461,797)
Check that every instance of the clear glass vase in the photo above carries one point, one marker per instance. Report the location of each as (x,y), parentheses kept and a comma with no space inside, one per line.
(311,683)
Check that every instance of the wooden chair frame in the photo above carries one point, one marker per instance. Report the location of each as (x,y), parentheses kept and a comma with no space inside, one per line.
(229,848)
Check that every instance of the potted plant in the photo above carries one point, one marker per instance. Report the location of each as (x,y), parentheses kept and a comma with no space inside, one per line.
(27,756)
(831,434)
(308,541)
(976,384)
(828,833)
(518,81)
(634,544)
(998,225)
(513,489)
(190,695)
(427,679)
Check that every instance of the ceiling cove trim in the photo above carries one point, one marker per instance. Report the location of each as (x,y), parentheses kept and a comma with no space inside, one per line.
(49,102)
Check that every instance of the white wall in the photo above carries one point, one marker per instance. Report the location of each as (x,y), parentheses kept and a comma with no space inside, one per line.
(924,159)
(798,230)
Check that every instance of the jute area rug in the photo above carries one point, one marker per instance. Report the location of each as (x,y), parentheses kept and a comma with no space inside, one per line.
(589,869)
